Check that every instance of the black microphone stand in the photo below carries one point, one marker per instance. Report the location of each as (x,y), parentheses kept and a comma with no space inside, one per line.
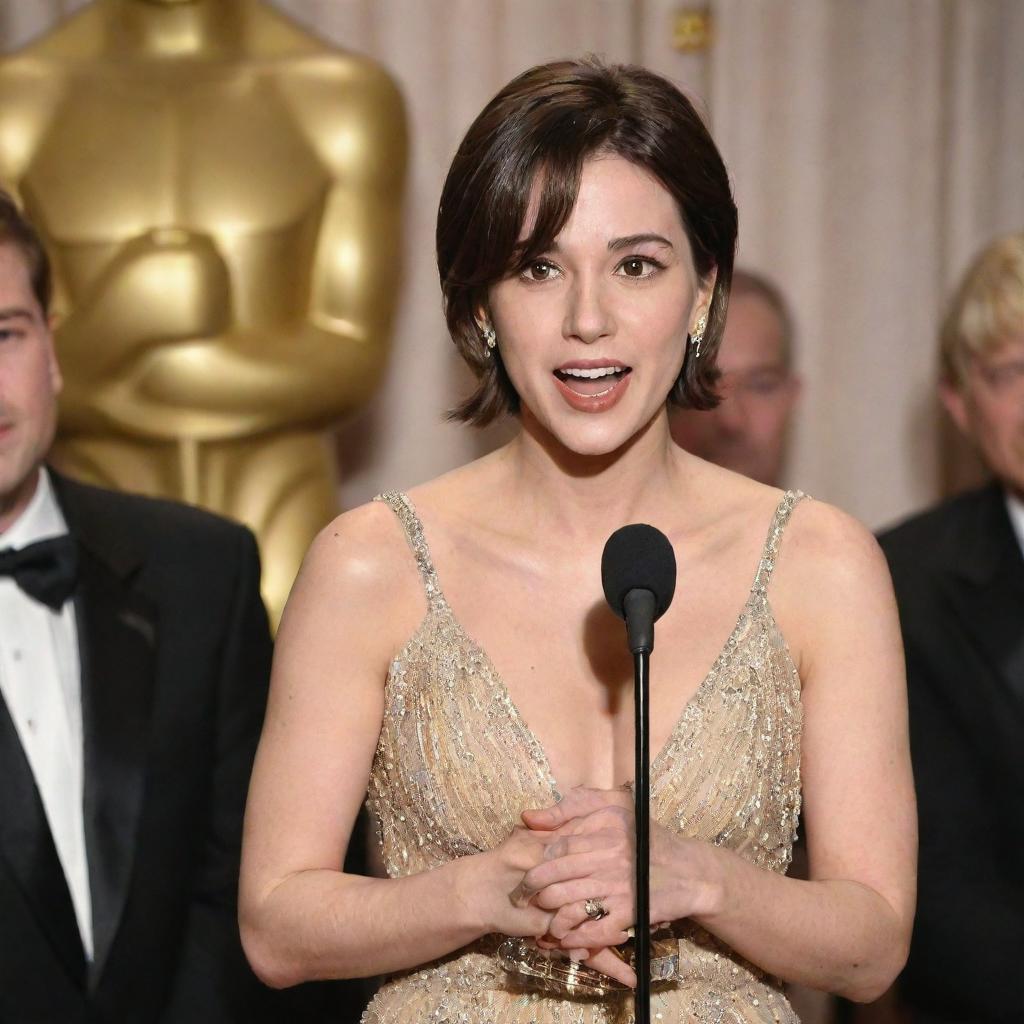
(638,574)
(641,795)
(639,606)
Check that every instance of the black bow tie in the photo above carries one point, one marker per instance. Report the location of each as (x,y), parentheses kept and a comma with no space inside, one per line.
(46,570)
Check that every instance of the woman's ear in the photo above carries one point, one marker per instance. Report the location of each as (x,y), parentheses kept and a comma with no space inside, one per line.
(482,316)
(702,300)
(706,290)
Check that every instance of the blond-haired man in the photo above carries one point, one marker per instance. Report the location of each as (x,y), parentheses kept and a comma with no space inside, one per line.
(959,575)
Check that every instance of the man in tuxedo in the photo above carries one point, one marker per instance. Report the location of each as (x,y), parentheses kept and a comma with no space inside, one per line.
(134,659)
(959,576)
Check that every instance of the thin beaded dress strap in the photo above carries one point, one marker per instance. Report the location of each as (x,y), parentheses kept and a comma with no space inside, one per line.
(403,508)
(771,546)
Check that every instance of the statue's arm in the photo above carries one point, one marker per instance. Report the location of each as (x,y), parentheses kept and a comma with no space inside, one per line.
(354,118)
(228,375)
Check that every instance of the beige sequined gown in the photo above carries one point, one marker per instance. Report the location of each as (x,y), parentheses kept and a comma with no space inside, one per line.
(456,765)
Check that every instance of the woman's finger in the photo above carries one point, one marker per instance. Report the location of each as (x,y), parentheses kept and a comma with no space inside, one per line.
(588,843)
(521,895)
(571,893)
(605,961)
(600,866)
(568,917)
(610,931)
(534,922)
(564,869)
(577,802)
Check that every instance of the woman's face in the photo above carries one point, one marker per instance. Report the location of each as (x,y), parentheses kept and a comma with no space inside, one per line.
(593,333)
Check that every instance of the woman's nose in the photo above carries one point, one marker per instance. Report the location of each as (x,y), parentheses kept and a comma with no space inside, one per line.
(587,316)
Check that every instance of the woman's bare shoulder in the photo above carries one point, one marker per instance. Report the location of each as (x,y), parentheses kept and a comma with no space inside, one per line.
(831,579)
(358,570)
(359,547)
(366,548)
(823,540)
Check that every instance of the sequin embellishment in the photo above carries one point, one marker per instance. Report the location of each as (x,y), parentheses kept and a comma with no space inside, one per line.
(456,765)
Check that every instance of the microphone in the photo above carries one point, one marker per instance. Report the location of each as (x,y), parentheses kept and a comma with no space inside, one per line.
(638,572)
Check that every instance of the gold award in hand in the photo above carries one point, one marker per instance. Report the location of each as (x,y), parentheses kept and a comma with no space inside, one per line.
(554,971)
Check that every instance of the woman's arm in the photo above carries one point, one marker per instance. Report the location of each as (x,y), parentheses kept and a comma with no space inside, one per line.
(301,918)
(847,929)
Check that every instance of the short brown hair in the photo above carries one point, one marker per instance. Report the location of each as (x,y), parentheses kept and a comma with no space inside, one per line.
(17,231)
(547,122)
(987,307)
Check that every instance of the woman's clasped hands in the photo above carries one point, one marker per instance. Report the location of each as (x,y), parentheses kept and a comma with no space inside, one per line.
(585,876)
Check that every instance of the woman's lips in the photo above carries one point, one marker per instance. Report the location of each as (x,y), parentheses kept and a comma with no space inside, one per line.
(593,394)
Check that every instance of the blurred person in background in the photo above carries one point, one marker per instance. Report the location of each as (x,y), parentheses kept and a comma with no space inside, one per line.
(959,576)
(748,431)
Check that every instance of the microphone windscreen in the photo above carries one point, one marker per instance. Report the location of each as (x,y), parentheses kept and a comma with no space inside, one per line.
(638,557)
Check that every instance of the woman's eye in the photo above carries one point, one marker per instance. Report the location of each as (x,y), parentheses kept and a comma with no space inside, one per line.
(636,266)
(541,270)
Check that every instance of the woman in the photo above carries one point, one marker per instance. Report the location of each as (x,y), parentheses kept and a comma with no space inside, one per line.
(452,647)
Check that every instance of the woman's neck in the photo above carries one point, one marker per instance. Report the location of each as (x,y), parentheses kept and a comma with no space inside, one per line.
(586,496)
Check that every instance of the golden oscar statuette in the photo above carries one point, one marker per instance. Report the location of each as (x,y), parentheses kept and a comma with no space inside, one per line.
(221,195)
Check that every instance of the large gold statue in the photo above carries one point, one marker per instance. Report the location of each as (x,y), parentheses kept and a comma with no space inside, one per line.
(221,196)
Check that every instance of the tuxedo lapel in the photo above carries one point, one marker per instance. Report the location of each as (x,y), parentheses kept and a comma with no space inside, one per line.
(117,644)
(117,636)
(26,845)
(987,590)
(994,615)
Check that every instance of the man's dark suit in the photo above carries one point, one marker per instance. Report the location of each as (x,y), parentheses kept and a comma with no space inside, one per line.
(959,577)
(175,657)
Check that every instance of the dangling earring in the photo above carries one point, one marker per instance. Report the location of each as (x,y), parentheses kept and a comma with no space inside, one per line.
(490,338)
(698,335)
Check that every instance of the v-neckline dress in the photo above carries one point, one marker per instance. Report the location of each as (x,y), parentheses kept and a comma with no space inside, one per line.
(456,764)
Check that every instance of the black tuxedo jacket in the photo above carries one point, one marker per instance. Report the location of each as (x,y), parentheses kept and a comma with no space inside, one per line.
(175,657)
(959,577)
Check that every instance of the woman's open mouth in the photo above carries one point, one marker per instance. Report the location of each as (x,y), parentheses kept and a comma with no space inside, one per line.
(590,386)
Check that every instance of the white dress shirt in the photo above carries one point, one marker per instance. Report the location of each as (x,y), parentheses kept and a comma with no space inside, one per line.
(40,680)
(1016,509)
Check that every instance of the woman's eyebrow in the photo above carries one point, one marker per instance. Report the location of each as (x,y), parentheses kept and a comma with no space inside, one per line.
(630,240)
(15,313)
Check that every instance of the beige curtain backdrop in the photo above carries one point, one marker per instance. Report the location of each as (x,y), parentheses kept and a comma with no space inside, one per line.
(874,146)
